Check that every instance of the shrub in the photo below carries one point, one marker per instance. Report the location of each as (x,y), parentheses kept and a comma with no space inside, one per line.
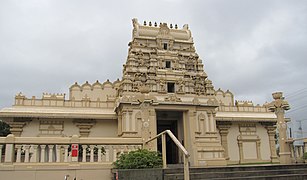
(139,159)
(305,156)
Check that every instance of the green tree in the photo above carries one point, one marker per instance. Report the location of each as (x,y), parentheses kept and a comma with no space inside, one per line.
(4,129)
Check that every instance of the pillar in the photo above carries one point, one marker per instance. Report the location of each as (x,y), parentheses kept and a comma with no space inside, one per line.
(58,153)
(99,153)
(92,153)
(34,156)
(84,153)
(279,106)
(1,146)
(50,153)
(107,153)
(43,152)
(271,129)
(224,130)
(27,153)
(18,156)
(9,149)
(66,153)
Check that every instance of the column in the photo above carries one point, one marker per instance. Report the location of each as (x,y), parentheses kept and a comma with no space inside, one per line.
(34,156)
(124,121)
(241,150)
(279,106)
(131,122)
(297,155)
(301,151)
(1,146)
(99,153)
(84,153)
(107,153)
(50,153)
(43,153)
(92,153)
(66,153)
(27,157)
(224,130)
(292,150)
(114,154)
(271,129)
(58,153)
(9,149)
(18,157)
(258,149)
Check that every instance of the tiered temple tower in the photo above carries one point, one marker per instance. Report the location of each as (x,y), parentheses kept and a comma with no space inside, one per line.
(164,86)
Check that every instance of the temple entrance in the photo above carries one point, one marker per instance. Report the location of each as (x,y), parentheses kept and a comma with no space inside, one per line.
(170,120)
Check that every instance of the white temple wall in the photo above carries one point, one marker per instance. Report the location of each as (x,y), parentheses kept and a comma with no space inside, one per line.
(31,129)
(265,144)
(249,148)
(233,148)
(104,128)
(70,128)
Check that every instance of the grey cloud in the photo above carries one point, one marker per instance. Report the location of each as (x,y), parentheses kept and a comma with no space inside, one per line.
(250,47)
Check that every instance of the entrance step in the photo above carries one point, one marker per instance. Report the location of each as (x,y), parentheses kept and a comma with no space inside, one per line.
(279,172)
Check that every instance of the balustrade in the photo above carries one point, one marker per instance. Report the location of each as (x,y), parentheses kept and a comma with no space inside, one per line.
(59,150)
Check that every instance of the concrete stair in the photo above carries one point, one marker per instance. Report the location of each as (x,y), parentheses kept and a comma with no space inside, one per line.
(258,172)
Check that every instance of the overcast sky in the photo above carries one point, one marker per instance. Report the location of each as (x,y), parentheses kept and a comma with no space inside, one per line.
(252,48)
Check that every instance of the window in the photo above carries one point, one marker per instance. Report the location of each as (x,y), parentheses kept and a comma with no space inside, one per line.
(167,64)
(165,46)
(171,87)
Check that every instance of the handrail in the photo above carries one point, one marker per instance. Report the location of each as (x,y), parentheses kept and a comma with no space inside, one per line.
(299,139)
(178,144)
(173,137)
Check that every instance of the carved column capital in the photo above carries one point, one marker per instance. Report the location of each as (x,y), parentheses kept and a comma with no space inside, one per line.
(84,126)
(223,126)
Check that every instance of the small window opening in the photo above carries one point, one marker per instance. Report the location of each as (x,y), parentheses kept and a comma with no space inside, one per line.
(171,87)
(168,64)
(165,46)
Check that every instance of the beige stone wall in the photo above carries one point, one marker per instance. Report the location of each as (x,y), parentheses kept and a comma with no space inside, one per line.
(101,128)
(249,148)
(265,144)
(233,149)
(104,128)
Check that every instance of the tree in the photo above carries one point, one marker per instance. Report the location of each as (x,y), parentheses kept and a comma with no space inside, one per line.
(4,129)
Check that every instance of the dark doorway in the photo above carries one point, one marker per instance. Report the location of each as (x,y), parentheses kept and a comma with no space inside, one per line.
(170,120)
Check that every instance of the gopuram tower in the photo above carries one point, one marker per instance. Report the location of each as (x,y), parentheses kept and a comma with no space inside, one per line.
(164,86)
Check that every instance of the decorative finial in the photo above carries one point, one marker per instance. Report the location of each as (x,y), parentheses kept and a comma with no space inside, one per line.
(149,23)
(171,26)
(155,24)
(144,23)
(176,26)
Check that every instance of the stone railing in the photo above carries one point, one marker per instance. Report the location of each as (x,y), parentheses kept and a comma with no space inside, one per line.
(298,150)
(42,150)
(224,108)
(64,103)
